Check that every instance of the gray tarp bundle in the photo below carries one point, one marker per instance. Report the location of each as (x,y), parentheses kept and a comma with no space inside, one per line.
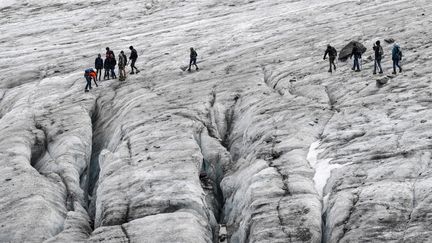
(345,53)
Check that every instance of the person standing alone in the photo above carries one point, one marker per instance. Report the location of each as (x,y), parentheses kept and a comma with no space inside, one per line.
(193,57)
(133,57)
(331,51)
(99,66)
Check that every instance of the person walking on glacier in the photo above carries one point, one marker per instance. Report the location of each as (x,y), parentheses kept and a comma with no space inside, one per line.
(193,58)
(99,66)
(396,57)
(356,52)
(378,50)
(331,51)
(122,66)
(133,57)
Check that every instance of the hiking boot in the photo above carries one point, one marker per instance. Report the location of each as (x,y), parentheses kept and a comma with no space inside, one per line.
(381,72)
(393,72)
(357,71)
(131,73)
(329,71)
(197,68)
(400,70)
(86,90)
(374,73)
(137,71)
(334,68)
(189,70)
(353,69)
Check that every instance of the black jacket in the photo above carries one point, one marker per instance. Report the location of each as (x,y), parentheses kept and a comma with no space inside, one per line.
(331,52)
(356,52)
(107,63)
(113,62)
(378,52)
(193,54)
(133,55)
(99,63)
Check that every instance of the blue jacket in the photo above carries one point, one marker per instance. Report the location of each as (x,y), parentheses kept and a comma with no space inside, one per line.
(396,53)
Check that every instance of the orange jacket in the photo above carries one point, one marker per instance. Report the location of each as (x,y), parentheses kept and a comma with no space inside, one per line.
(93,74)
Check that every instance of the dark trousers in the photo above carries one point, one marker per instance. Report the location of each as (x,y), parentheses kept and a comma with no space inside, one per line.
(107,74)
(192,62)
(331,61)
(133,61)
(88,79)
(377,64)
(356,63)
(396,64)
(98,74)
(113,75)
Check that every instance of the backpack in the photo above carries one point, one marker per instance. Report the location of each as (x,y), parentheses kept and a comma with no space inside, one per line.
(380,51)
(88,71)
(399,53)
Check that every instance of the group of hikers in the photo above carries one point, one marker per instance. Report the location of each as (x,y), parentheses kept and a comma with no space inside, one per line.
(357,54)
(110,63)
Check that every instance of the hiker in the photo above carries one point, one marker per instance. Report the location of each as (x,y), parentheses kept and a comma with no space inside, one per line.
(378,56)
(122,65)
(356,52)
(331,51)
(109,52)
(193,57)
(89,74)
(107,68)
(112,64)
(396,57)
(124,55)
(133,57)
(99,66)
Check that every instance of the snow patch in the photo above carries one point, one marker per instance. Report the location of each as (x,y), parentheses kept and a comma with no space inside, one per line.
(322,167)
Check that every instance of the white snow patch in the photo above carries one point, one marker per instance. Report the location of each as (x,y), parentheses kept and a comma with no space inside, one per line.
(322,167)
